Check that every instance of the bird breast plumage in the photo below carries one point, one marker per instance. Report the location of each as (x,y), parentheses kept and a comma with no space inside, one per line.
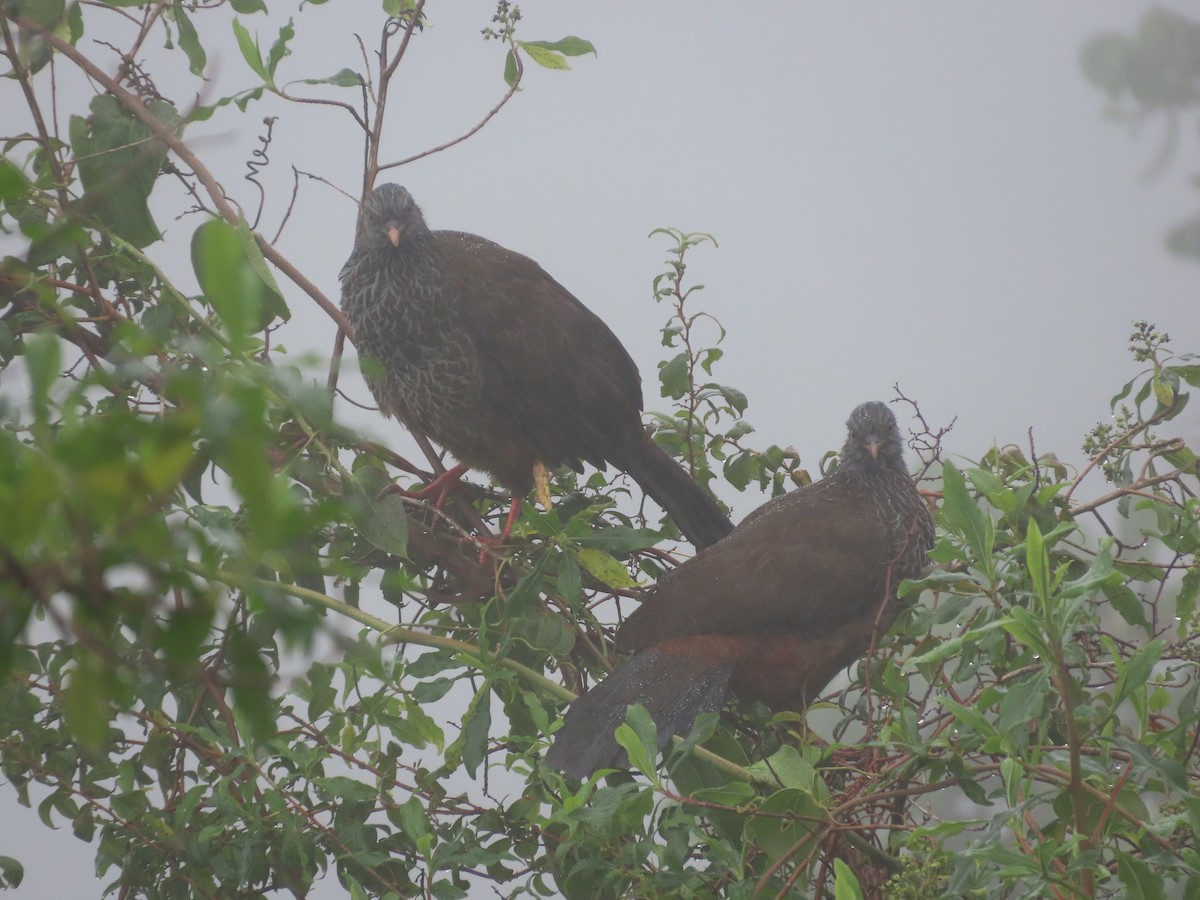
(418,361)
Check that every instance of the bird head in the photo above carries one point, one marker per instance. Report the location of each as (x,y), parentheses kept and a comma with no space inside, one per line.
(873,439)
(390,214)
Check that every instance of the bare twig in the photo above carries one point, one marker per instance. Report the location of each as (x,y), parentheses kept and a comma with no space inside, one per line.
(458,140)
(175,143)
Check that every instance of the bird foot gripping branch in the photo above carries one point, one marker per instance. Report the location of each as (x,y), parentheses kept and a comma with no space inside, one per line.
(439,488)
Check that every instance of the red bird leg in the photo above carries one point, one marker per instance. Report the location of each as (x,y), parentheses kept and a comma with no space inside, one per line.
(541,481)
(513,512)
(443,483)
(440,486)
(486,542)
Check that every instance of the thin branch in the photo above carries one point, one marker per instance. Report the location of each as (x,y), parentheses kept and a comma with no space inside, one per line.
(1134,490)
(175,143)
(458,140)
(318,101)
(387,69)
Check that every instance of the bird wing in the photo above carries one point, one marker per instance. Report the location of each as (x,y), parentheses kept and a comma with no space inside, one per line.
(810,562)
(551,364)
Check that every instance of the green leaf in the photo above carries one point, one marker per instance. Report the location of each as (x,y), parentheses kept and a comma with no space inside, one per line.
(83,826)
(249,48)
(710,356)
(548,59)
(638,737)
(74,23)
(87,703)
(791,818)
(736,399)
(510,68)
(619,539)
(340,78)
(1185,601)
(247,7)
(1013,775)
(413,821)
(44,12)
(970,717)
(791,770)
(251,682)
(33,50)
(13,183)
(604,568)
(673,376)
(339,787)
(1038,563)
(568,583)
(964,517)
(1100,574)
(568,46)
(280,49)
(703,727)
(1121,394)
(270,297)
(12,873)
(953,646)
(380,518)
(1136,672)
(43,363)
(1190,374)
(227,284)
(966,782)
(476,725)
(1166,385)
(845,882)
(432,691)
(1022,704)
(185,632)
(119,162)
(547,632)
(1140,881)
(1172,772)
(525,598)
(189,40)
(740,469)
(1028,629)
(235,279)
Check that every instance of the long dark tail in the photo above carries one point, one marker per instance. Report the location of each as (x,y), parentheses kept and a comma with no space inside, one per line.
(674,690)
(698,516)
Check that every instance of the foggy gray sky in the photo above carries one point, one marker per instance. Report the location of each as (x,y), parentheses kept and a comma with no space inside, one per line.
(922,193)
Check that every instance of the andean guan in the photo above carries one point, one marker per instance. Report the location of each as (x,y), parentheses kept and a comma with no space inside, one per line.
(478,348)
(774,610)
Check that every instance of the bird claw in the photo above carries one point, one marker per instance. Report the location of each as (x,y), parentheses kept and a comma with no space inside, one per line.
(441,486)
(490,543)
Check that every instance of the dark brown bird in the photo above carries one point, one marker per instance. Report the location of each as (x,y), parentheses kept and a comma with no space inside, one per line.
(773,611)
(477,347)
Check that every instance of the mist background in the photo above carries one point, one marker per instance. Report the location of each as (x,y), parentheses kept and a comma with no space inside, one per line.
(927,195)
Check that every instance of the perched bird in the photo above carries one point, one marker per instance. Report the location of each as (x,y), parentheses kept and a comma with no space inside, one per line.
(774,610)
(480,349)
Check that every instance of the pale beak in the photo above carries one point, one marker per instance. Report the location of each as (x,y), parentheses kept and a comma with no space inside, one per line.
(393,234)
(873,447)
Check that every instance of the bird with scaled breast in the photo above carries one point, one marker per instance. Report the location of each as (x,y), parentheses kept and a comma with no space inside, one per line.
(480,349)
(794,595)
